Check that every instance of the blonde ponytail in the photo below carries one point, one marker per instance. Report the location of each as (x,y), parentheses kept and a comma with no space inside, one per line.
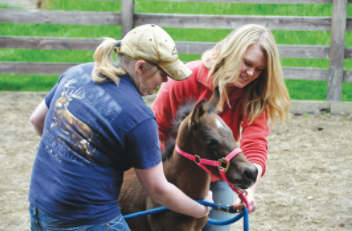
(104,68)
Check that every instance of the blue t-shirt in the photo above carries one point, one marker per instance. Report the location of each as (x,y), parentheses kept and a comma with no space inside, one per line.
(92,134)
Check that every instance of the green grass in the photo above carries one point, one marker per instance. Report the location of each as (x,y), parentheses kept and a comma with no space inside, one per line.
(348,39)
(53,30)
(27,82)
(81,5)
(209,8)
(146,6)
(7,6)
(346,95)
(317,90)
(348,64)
(281,37)
(63,56)
(189,57)
(313,63)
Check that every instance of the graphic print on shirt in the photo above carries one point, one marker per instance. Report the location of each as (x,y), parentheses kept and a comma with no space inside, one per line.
(80,134)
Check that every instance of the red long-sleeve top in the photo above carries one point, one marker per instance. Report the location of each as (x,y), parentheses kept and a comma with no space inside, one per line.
(173,94)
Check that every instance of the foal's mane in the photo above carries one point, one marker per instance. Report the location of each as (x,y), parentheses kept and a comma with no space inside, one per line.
(181,114)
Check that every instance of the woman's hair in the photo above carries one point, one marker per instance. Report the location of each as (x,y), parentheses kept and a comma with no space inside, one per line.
(105,69)
(268,91)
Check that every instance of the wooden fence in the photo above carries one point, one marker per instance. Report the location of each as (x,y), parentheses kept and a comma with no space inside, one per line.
(336,52)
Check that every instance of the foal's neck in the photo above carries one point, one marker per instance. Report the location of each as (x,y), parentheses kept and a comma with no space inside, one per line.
(187,176)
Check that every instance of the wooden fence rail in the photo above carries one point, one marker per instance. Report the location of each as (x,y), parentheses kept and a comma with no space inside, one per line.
(128,19)
(167,20)
(60,17)
(58,68)
(44,43)
(21,42)
(34,68)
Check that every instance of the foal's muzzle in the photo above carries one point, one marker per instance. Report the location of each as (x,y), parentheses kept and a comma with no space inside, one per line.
(250,174)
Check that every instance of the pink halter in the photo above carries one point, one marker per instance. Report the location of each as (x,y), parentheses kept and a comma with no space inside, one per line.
(222,164)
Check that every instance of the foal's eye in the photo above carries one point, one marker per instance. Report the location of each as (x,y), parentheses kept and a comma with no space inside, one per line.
(211,143)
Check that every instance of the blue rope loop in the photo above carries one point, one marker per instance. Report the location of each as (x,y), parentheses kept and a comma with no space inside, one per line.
(218,207)
(234,219)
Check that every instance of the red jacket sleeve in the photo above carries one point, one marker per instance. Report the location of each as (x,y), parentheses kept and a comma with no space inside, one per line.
(165,107)
(253,142)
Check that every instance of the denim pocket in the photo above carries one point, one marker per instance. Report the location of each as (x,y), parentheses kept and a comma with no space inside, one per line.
(118,223)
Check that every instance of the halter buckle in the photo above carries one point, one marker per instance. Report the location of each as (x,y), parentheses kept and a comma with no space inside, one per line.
(197,159)
(223,161)
(242,190)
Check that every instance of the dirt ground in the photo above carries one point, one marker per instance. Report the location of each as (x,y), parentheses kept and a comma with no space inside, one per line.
(307,186)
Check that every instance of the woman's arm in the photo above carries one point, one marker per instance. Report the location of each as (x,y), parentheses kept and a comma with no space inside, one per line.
(38,117)
(254,142)
(255,147)
(157,187)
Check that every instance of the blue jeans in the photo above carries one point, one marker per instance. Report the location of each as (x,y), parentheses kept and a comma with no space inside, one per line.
(222,194)
(42,222)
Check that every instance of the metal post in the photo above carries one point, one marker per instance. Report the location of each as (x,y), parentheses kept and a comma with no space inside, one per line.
(127,13)
(337,49)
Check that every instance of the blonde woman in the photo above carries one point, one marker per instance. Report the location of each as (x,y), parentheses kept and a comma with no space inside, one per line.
(246,67)
(95,126)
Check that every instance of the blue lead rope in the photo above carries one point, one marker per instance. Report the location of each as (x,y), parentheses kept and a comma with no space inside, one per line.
(243,214)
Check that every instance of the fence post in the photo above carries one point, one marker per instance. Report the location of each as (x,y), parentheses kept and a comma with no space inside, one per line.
(127,13)
(337,49)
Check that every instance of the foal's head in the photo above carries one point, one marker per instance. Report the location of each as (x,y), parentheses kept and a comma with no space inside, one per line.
(202,132)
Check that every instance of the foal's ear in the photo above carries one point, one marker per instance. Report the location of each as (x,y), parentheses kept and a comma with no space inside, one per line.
(199,110)
(214,101)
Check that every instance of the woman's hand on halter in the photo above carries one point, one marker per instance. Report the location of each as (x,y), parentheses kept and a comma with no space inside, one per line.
(239,205)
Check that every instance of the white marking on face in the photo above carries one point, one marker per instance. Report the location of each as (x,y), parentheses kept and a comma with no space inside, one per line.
(218,123)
